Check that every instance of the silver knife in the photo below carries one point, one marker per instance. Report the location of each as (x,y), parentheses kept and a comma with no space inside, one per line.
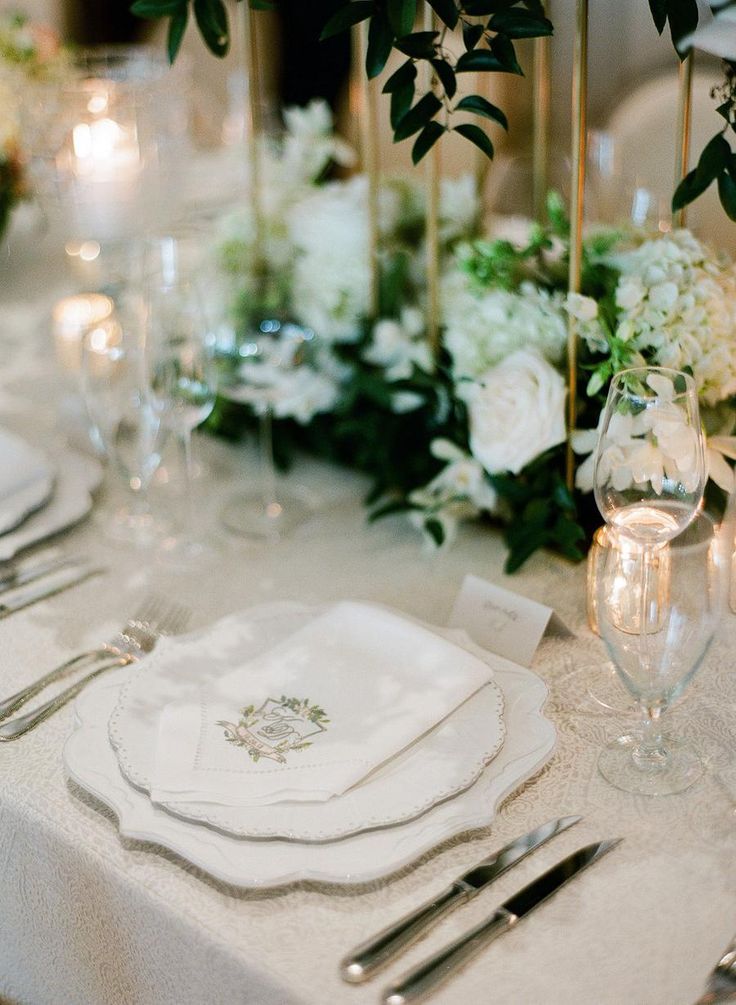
(20,575)
(369,956)
(54,584)
(423,979)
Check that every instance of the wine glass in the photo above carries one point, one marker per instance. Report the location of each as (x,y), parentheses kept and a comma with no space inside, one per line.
(181,362)
(117,398)
(268,362)
(649,480)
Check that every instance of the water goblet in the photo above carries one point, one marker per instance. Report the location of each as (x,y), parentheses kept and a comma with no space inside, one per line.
(683,616)
(181,362)
(649,480)
(126,425)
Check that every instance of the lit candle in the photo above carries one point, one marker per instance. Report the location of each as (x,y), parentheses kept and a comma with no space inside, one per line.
(103,163)
(72,318)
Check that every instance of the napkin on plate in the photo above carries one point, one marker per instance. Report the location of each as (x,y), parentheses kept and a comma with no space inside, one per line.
(26,479)
(315,714)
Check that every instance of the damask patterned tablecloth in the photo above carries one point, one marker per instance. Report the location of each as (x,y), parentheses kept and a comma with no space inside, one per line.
(92,919)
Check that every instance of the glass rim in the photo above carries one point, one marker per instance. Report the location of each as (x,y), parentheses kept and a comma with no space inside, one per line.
(666,371)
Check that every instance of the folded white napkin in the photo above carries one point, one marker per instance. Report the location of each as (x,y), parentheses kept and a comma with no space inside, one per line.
(26,479)
(314,715)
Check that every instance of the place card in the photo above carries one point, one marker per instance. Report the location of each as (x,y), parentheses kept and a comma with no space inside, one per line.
(503,622)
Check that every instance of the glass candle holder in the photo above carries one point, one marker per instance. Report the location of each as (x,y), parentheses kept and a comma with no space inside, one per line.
(72,318)
(617,560)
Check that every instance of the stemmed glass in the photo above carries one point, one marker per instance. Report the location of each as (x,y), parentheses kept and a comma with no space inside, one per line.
(269,361)
(657,602)
(182,373)
(121,411)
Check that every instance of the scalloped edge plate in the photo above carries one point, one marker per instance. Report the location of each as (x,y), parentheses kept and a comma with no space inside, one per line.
(77,476)
(90,762)
(437,766)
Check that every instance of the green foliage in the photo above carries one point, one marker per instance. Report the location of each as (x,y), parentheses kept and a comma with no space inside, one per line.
(544,511)
(489,29)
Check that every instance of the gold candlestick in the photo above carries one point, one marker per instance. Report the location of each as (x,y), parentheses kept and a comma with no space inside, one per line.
(432,179)
(368,117)
(540,121)
(579,145)
(250,53)
(684,121)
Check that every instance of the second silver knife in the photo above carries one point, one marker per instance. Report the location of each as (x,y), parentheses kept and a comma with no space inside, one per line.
(373,954)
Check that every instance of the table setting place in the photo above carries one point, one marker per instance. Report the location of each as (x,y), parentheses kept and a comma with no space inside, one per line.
(367,535)
(339,743)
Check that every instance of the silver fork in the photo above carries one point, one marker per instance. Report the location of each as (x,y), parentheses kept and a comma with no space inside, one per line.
(138,637)
(722,981)
(148,613)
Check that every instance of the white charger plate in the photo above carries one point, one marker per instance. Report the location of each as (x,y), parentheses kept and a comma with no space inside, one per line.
(437,766)
(28,480)
(78,475)
(91,763)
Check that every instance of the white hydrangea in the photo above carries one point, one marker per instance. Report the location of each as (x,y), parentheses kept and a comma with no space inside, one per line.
(399,346)
(677,304)
(483,328)
(329,231)
(459,207)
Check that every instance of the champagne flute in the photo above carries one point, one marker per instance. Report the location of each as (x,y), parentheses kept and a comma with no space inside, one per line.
(120,409)
(649,480)
(181,361)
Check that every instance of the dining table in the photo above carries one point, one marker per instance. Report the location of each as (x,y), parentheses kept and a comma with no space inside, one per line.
(92,918)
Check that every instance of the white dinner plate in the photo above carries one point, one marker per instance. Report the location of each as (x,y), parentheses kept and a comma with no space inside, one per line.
(90,762)
(78,475)
(437,766)
(26,480)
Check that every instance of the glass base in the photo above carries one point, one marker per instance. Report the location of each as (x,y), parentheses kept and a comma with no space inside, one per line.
(186,553)
(127,527)
(676,771)
(248,516)
(594,689)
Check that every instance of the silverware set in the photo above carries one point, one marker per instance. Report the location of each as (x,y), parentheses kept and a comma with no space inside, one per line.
(138,636)
(41,576)
(363,962)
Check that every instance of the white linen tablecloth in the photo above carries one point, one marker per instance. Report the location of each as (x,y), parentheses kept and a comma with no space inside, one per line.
(89,919)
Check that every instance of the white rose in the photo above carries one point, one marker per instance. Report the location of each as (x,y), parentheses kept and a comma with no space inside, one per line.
(516,411)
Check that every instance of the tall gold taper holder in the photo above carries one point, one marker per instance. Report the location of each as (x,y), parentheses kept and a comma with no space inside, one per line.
(684,123)
(363,93)
(432,178)
(540,126)
(248,29)
(579,147)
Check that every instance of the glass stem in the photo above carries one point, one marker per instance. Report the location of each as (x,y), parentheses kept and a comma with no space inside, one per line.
(185,443)
(268,470)
(650,754)
(645,583)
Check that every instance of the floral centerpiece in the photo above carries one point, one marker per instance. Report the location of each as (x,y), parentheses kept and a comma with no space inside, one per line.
(478,430)
(477,427)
